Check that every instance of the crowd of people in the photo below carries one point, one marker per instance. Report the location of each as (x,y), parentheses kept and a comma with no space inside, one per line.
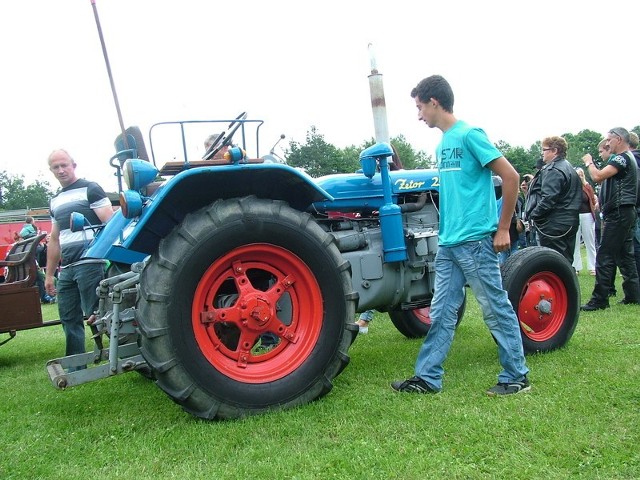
(557,207)
(564,211)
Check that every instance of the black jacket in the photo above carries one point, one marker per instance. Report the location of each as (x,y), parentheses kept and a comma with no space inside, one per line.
(554,197)
(636,155)
(622,188)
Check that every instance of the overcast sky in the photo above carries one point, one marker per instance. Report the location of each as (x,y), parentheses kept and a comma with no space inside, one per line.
(521,69)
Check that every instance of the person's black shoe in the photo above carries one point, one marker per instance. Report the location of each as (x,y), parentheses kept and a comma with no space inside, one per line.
(624,301)
(509,388)
(592,306)
(612,293)
(413,385)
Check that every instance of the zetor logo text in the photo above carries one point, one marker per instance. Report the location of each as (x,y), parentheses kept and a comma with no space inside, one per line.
(404,184)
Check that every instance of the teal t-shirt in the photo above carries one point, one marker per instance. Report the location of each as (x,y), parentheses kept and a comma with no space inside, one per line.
(28,231)
(467,197)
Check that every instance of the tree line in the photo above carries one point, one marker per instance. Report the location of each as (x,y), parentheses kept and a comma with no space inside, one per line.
(15,194)
(318,157)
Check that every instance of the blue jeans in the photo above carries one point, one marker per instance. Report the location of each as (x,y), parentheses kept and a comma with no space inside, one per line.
(476,264)
(77,300)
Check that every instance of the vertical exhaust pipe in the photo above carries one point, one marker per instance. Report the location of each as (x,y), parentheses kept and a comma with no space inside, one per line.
(393,243)
(378,104)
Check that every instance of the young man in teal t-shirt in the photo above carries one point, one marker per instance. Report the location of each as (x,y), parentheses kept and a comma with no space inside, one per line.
(470,238)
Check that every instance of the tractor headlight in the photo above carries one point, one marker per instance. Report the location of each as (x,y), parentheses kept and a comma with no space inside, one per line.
(369,157)
(138,173)
(77,221)
(130,203)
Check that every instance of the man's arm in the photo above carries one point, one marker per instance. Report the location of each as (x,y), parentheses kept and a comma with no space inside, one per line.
(53,258)
(510,178)
(104,213)
(597,175)
(99,202)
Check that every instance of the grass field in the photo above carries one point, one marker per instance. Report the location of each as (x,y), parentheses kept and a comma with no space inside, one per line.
(582,418)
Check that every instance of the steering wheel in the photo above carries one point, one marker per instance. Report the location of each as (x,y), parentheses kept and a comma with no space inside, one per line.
(224,139)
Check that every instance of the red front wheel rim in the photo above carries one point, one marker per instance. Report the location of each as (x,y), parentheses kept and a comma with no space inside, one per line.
(423,315)
(543,306)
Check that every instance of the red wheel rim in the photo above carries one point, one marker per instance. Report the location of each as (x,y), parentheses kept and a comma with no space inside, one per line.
(543,306)
(423,315)
(253,291)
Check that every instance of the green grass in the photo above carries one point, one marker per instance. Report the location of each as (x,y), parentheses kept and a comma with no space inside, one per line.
(582,418)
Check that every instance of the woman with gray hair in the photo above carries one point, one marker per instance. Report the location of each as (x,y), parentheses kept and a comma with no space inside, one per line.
(554,199)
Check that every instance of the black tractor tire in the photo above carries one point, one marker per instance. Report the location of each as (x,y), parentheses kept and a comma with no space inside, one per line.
(545,294)
(416,323)
(247,306)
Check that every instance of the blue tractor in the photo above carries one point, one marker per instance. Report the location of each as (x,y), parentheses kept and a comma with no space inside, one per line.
(234,280)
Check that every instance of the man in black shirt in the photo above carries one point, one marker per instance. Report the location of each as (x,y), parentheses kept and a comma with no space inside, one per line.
(619,178)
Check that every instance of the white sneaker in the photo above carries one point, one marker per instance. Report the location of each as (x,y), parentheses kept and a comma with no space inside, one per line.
(363,326)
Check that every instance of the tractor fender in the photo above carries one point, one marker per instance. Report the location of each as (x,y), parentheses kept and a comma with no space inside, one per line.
(197,187)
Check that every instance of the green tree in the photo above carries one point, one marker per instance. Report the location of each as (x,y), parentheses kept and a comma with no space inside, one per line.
(515,155)
(585,141)
(409,157)
(535,151)
(15,195)
(524,161)
(317,157)
(351,155)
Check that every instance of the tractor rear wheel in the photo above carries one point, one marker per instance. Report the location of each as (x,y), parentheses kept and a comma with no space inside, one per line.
(246,307)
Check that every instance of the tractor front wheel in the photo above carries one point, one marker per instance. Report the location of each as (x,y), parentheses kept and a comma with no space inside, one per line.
(417,322)
(545,294)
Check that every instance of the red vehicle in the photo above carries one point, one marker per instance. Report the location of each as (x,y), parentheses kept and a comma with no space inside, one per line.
(19,293)
(11,223)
